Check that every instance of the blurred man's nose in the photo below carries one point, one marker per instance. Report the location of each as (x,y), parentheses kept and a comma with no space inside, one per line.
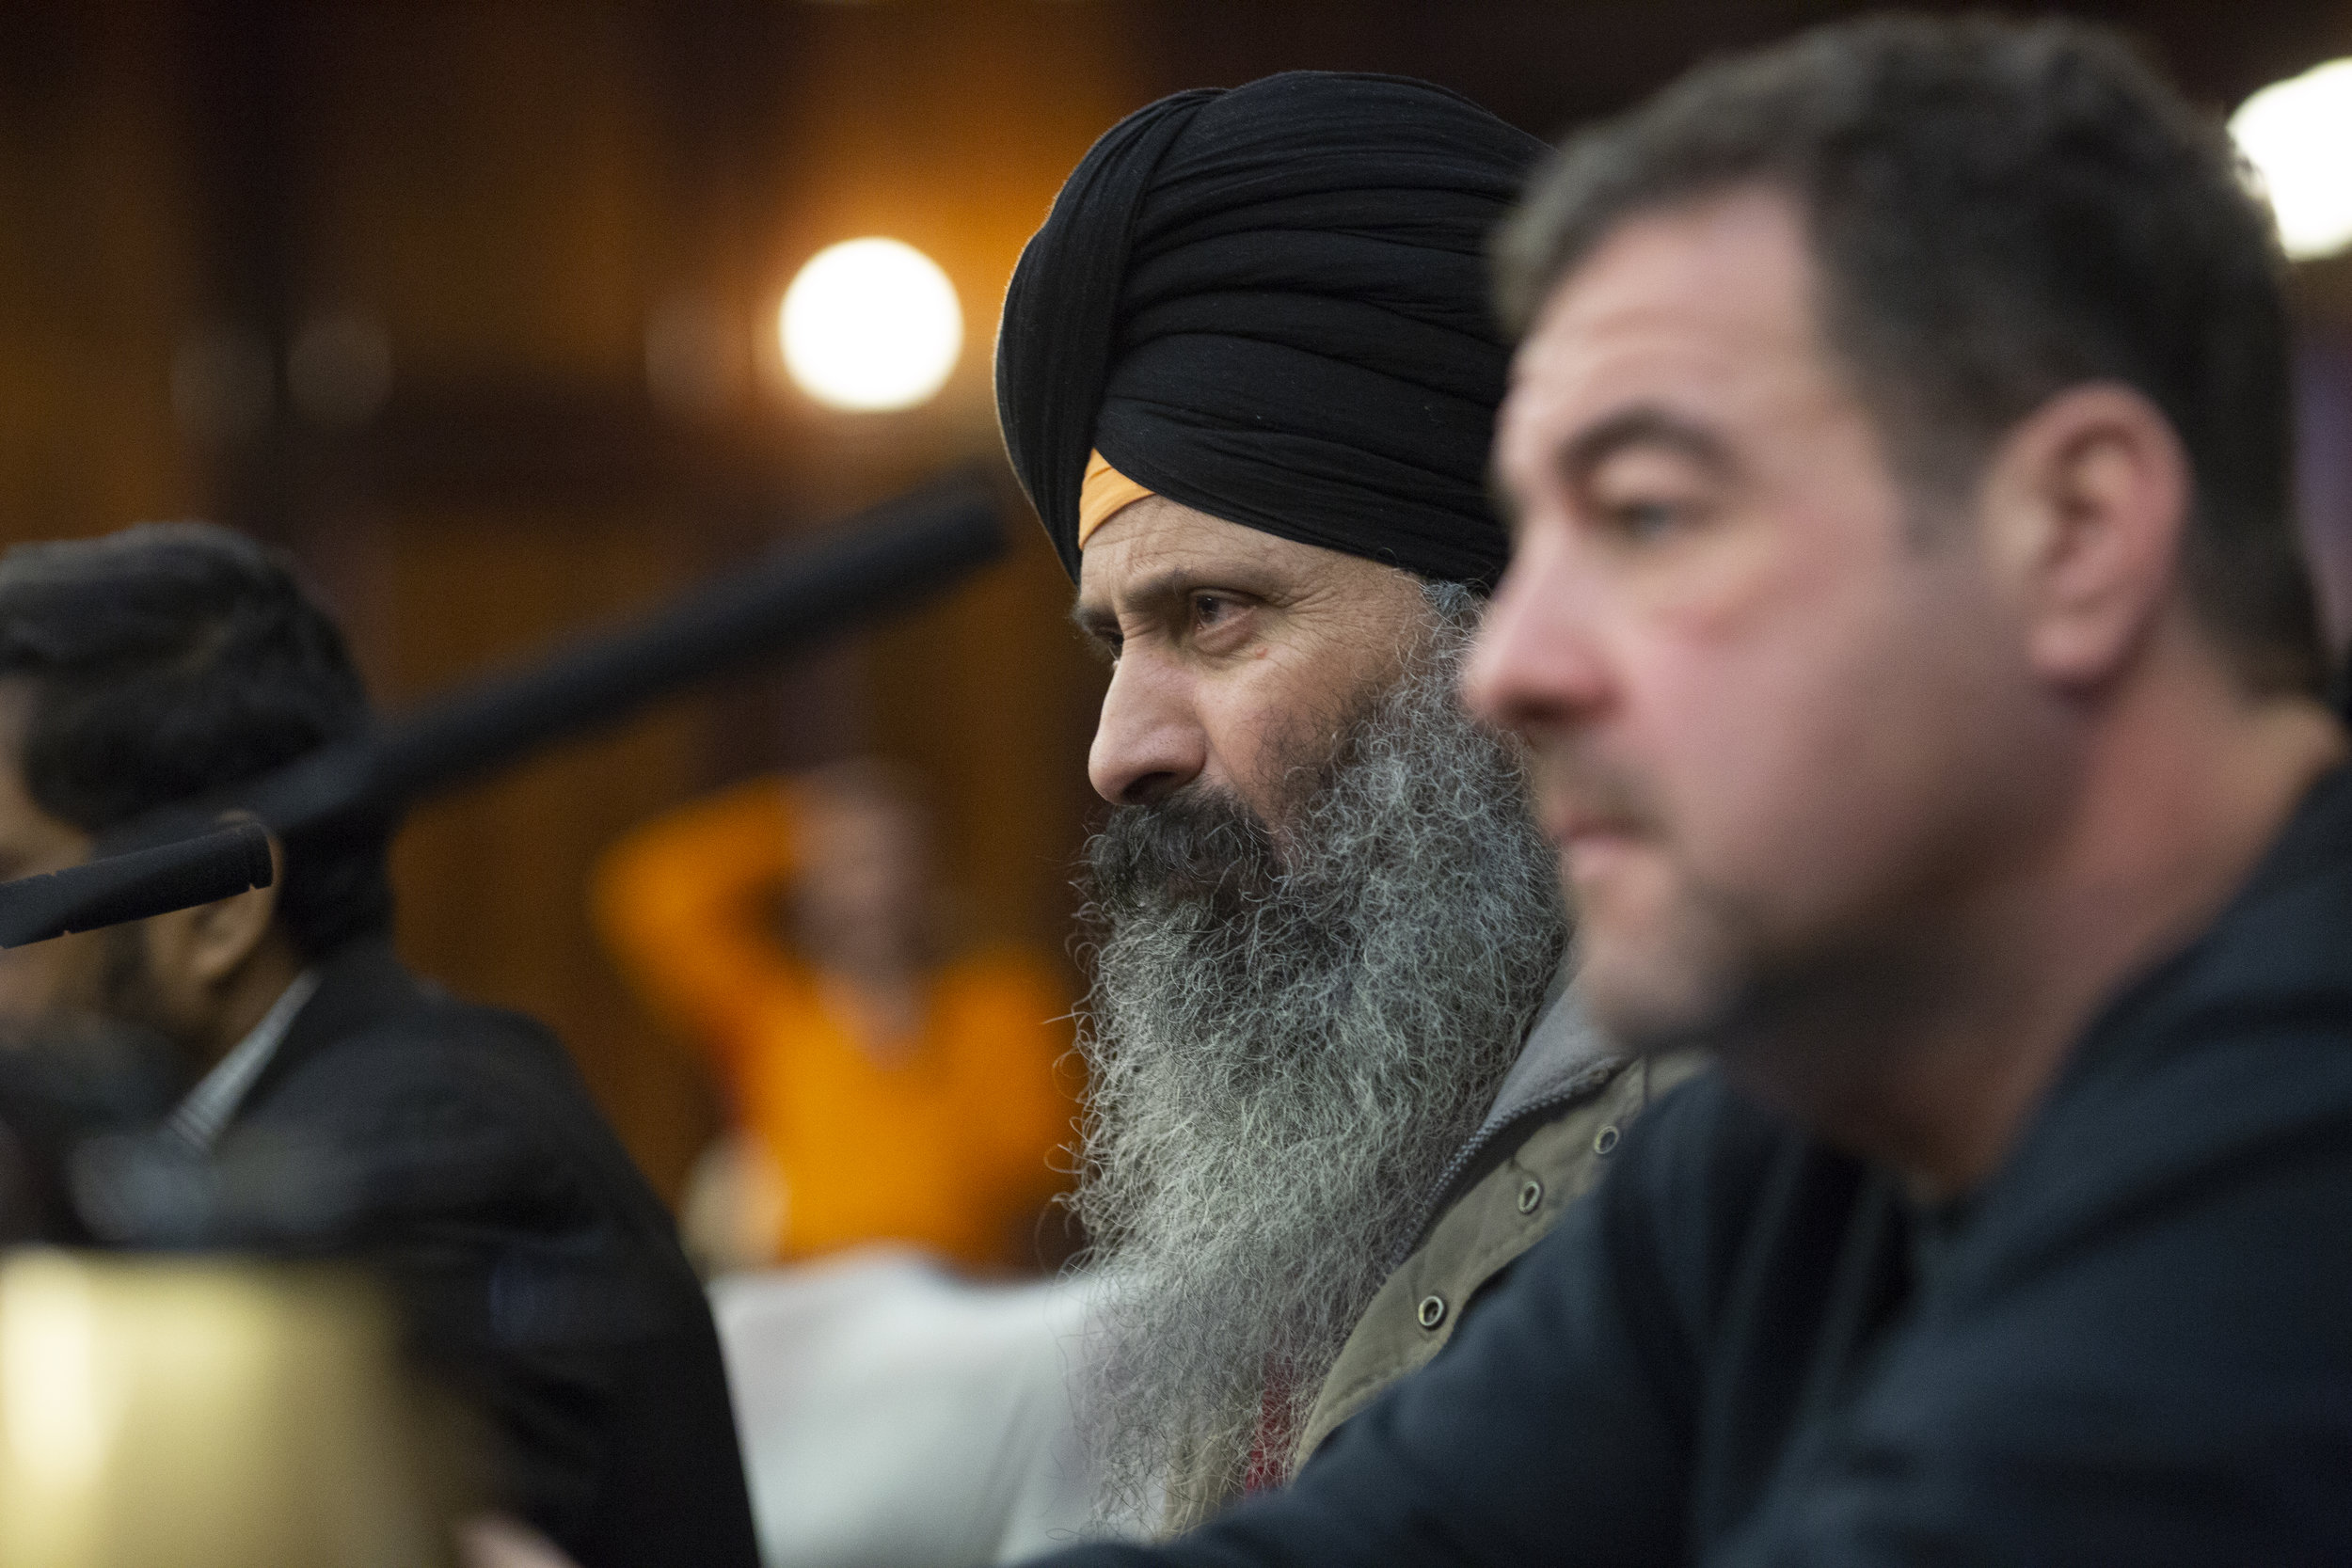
(1536,665)
(1148,741)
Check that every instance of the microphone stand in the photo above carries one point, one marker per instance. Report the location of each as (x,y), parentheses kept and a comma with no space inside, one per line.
(882,560)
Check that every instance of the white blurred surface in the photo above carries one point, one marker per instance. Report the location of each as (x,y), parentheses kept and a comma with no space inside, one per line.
(893,1415)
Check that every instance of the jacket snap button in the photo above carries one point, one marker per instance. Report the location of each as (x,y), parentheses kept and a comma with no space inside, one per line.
(1531,1195)
(1605,1140)
(1432,1311)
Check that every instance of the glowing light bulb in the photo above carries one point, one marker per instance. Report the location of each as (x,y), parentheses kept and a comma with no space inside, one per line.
(2298,134)
(871,324)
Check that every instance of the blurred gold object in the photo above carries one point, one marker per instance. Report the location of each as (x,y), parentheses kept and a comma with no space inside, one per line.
(202,1412)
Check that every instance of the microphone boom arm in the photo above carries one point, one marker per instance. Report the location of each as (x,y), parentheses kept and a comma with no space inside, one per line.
(784,602)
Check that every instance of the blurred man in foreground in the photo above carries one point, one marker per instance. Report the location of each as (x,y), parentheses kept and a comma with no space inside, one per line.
(353,1110)
(1247,374)
(1908,620)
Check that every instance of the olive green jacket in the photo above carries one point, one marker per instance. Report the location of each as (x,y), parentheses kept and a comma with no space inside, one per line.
(1510,1187)
(1557,1116)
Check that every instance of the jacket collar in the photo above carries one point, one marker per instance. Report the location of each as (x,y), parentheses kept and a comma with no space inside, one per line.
(360,984)
(1564,1057)
(1563,1046)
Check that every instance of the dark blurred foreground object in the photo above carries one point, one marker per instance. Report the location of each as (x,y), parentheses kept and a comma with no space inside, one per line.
(194,1413)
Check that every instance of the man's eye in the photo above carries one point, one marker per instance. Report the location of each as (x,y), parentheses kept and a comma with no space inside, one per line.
(1644,521)
(1209,608)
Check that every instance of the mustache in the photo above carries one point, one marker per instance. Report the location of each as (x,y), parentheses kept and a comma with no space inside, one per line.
(1206,847)
(1196,846)
(1571,780)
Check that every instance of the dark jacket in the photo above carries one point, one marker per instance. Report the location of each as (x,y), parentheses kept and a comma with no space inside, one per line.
(454,1147)
(2132,1344)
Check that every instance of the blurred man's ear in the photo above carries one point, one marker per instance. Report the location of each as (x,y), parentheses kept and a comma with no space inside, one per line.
(2085,506)
(201,949)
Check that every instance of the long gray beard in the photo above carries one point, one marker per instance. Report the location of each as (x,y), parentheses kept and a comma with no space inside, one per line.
(1286,1042)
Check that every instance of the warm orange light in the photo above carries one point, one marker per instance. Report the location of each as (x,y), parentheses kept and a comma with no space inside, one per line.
(871,324)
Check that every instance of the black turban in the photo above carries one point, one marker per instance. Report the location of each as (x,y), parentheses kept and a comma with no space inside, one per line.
(1269,303)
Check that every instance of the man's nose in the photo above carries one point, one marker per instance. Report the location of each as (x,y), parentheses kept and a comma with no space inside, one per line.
(1148,741)
(1536,664)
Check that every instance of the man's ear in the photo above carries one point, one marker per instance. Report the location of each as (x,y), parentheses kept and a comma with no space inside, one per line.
(217,938)
(2085,507)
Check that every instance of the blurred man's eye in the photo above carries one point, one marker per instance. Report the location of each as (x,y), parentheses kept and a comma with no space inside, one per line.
(1649,520)
(1644,498)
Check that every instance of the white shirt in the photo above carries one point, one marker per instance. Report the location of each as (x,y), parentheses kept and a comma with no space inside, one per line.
(890,1413)
(209,1104)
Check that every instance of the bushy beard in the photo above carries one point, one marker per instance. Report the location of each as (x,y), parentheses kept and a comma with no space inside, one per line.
(1291,1031)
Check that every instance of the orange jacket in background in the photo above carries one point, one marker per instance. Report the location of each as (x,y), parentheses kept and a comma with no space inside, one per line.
(949,1149)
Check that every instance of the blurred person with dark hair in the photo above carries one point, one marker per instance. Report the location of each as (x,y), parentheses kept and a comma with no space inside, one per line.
(881,1087)
(345,1107)
(1337,1081)
(1908,620)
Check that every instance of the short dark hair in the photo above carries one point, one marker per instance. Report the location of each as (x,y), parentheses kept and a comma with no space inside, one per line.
(1996,211)
(170,661)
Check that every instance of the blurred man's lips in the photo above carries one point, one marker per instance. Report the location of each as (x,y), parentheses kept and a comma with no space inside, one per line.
(1590,843)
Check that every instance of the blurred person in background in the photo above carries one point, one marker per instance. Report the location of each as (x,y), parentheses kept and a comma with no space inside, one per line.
(898,1108)
(881,1087)
(342,1107)
(1336,1078)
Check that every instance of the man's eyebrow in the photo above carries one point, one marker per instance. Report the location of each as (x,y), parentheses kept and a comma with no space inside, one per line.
(1166,588)
(1095,624)
(1170,584)
(1642,425)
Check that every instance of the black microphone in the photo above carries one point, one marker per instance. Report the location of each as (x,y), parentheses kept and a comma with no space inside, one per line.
(881,560)
(117,888)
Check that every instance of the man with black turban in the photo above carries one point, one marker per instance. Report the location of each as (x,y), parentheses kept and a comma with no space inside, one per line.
(1248,375)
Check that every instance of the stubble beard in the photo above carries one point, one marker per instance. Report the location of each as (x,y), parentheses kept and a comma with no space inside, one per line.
(1690,976)
(1289,1034)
